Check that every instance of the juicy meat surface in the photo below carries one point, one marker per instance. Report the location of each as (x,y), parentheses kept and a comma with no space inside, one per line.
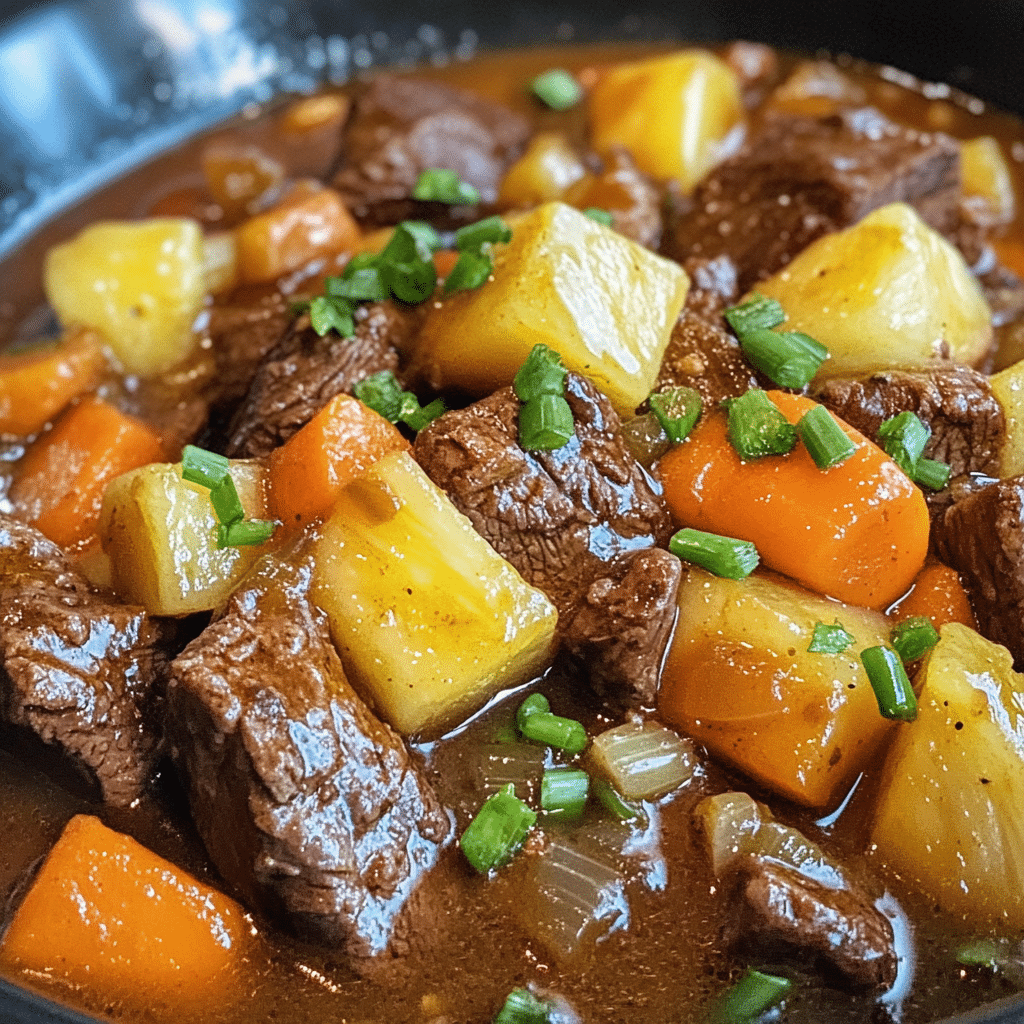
(402,126)
(632,198)
(304,371)
(307,803)
(800,178)
(82,674)
(779,907)
(563,518)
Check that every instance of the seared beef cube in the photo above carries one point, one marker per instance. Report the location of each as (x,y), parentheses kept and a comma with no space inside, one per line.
(966,420)
(304,371)
(402,126)
(632,199)
(982,537)
(781,909)
(82,674)
(1004,290)
(801,178)
(312,808)
(566,519)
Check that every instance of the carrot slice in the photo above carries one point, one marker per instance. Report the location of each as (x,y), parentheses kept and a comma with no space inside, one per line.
(857,532)
(60,483)
(337,445)
(38,384)
(937,595)
(115,921)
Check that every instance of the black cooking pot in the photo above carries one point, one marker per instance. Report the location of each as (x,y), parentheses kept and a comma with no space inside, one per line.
(90,88)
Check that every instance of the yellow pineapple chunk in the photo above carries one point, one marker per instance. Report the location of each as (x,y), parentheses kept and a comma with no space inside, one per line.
(604,303)
(140,284)
(1008,387)
(429,620)
(950,815)
(987,179)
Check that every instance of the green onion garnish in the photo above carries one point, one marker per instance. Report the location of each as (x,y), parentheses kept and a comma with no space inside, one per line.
(417,416)
(545,423)
(889,680)
(522,1007)
(601,216)
(723,556)
(382,393)
(823,438)
(497,832)
(615,803)
(563,792)
(557,89)
(554,731)
(756,426)
(411,281)
(829,639)
(903,438)
(490,230)
(202,467)
(411,239)
(677,410)
(788,358)
(542,373)
(328,313)
(358,284)
(980,953)
(244,533)
(751,997)
(471,270)
(758,314)
(225,500)
(534,704)
(932,474)
(914,637)
(439,185)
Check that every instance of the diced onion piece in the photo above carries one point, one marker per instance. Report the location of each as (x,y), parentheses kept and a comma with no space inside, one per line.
(644,760)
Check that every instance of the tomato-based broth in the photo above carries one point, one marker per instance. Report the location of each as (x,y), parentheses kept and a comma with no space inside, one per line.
(662,938)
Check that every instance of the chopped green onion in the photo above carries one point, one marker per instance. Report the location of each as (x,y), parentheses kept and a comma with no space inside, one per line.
(439,185)
(756,426)
(563,792)
(677,411)
(932,474)
(412,281)
(829,639)
(473,237)
(615,803)
(758,314)
(980,953)
(327,313)
(244,533)
(382,393)
(889,680)
(564,733)
(557,89)
(542,373)
(545,423)
(788,358)
(533,704)
(750,998)
(601,216)
(203,467)
(522,1007)
(418,416)
(411,240)
(903,438)
(724,556)
(225,500)
(822,436)
(471,271)
(497,832)
(914,637)
(363,284)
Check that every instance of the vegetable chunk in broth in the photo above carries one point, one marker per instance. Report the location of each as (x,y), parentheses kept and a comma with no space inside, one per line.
(530,514)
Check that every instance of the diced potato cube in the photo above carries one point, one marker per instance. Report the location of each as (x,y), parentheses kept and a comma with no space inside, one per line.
(220,262)
(739,679)
(816,88)
(888,291)
(160,532)
(140,284)
(543,173)
(678,114)
(604,303)
(430,621)
(240,178)
(950,814)
(1008,387)
(986,177)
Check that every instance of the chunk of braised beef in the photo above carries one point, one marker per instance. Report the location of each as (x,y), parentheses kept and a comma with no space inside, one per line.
(981,535)
(304,371)
(402,126)
(567,519)
(80,673)
(783,912)
(799,178)
(312,808)
(633,199)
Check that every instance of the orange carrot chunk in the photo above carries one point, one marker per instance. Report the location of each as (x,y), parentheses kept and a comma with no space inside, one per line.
(115,921)
(309,471)
(37,384)
(937,595)
(857,532)
(60,483)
